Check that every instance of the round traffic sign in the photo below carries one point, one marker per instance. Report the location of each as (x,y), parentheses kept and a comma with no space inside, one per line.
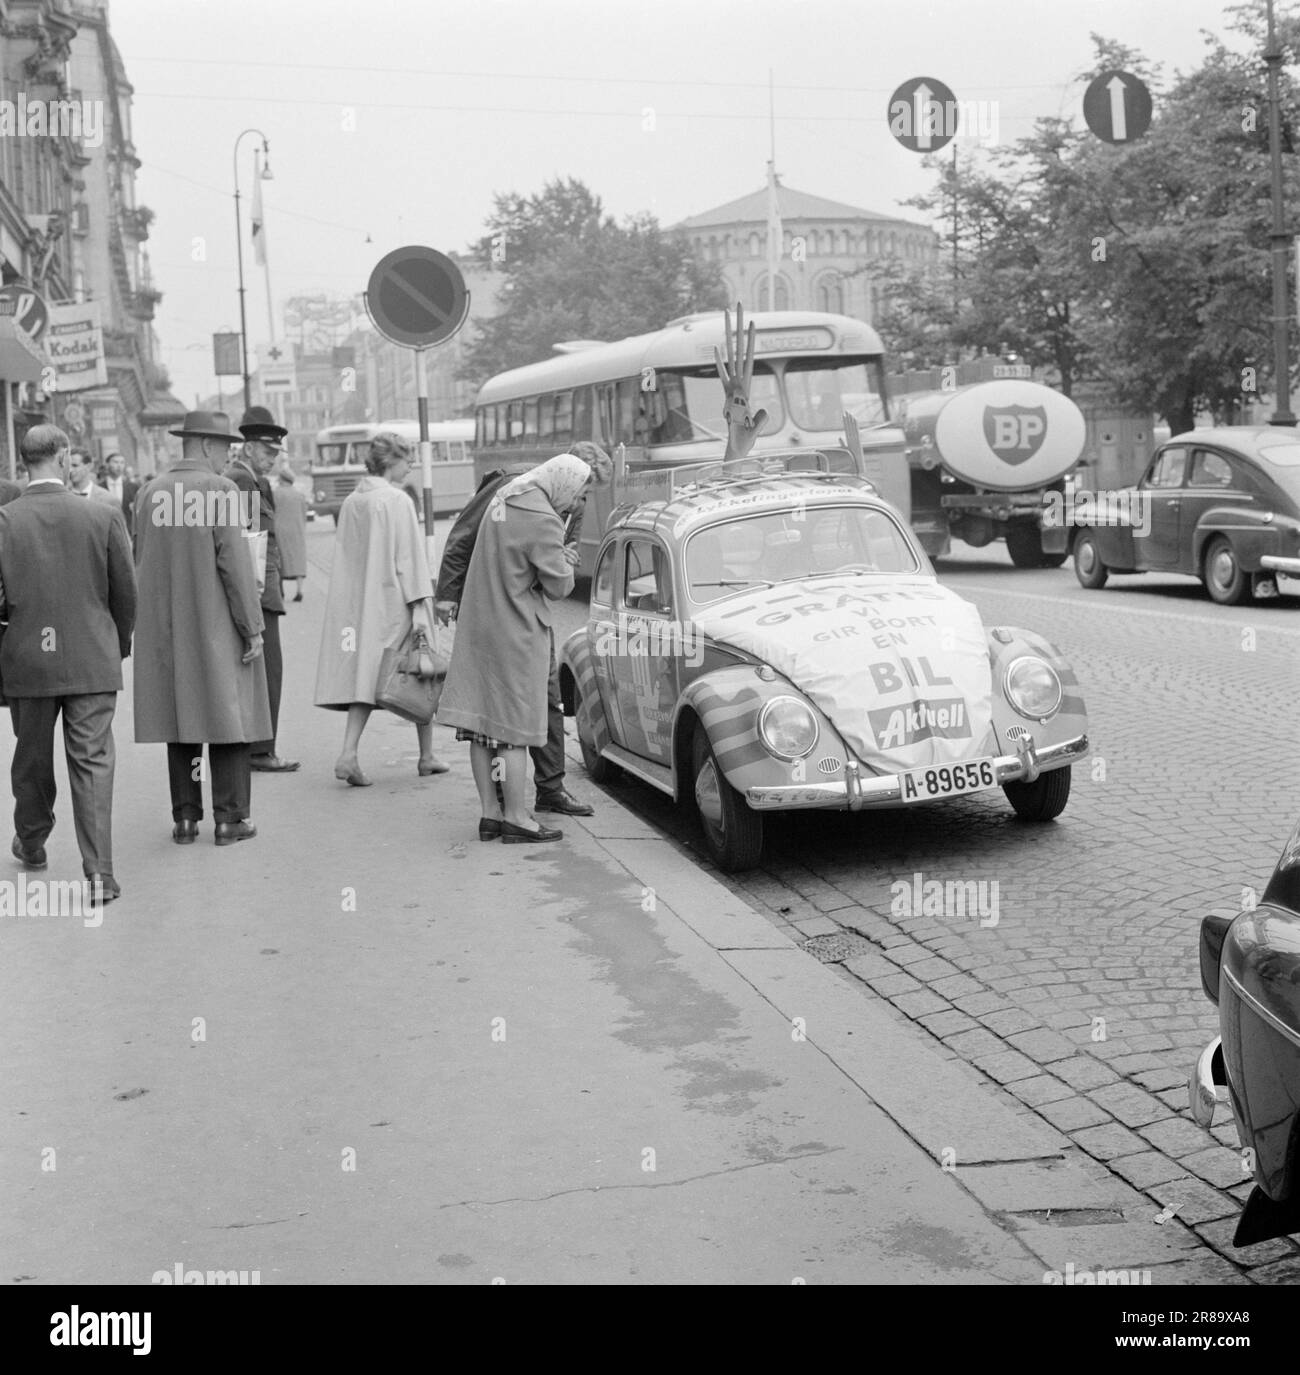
(1117,107)
(923,114)
(26,307)
(416,296)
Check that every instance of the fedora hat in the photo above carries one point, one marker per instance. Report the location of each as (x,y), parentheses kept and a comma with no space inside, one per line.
(259,423)
(206,425)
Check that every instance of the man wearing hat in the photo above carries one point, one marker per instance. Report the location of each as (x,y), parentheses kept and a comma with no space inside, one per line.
(248,471)
(200,677)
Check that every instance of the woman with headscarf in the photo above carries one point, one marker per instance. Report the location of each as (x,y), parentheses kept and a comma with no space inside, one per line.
(379,588)
(495,693)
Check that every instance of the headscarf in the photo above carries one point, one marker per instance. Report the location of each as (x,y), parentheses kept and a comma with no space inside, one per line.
(559,479)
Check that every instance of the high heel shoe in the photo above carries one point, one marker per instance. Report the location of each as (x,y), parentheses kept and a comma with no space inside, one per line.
(431,766)
(521,835)
(488,829)
(353,776)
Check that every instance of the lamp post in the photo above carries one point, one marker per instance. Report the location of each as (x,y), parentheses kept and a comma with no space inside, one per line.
(239,250)
(1280,240)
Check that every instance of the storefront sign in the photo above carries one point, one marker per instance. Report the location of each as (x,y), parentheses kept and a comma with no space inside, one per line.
(75,342)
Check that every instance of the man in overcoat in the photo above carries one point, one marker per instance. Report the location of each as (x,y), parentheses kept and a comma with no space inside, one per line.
(248,471)
(200,677)
(69,590)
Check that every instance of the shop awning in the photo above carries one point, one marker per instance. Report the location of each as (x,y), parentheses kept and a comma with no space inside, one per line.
(20,359)
(163,411)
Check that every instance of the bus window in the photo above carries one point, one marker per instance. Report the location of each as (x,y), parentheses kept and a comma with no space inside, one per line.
(820,390)
(564,417)
(516,423)
(582,415)
(480,427)
(628,401)
(546,419)
(530,422)
(607,415)
(331,454)
(458,454)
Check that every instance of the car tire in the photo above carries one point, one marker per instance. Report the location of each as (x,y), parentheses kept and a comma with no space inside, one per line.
(1025,545)
(599,769)
(1225,580)
(1088,567)
(733,831)
(1042,800)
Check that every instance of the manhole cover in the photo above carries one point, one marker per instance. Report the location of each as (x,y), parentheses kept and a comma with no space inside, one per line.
(843,945)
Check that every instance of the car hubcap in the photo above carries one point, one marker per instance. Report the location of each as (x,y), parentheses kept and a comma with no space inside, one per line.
(1223,569)
(1087,558)
(708,798)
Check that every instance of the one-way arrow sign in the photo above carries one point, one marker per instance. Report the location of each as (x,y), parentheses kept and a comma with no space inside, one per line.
(1117,107)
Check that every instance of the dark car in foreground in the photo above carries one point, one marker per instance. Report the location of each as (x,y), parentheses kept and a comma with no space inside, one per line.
(1250,968)
(1221,505)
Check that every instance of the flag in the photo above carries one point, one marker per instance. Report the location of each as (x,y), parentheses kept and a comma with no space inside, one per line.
(259,225)
(775,236)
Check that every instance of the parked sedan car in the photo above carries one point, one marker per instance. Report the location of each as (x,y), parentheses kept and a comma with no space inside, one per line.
(774,643)
(1250,967)
(1222,505)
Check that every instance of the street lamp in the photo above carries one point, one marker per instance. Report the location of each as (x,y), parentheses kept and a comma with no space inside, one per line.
(239,249)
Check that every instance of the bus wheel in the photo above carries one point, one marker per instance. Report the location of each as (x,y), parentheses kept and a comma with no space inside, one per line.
(733,831)
(1025,545)
(1088,567)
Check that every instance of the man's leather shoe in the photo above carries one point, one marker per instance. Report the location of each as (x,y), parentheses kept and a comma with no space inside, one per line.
(102,887)
(33,858)
(272,763)
(228,832)
(183,832)
(562,802)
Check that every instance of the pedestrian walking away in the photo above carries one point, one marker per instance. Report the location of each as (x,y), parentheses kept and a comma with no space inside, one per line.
(200,676)
(496,688)
(69,588)
(261,450)
(380,589)
(291,529)
(548,759)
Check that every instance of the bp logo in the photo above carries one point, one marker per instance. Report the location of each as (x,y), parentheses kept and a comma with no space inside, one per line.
(1015,433)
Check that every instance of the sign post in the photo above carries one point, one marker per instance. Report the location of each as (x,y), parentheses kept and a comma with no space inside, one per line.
(417,298)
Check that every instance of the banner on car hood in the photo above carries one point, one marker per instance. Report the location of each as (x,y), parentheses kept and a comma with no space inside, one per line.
(902,672)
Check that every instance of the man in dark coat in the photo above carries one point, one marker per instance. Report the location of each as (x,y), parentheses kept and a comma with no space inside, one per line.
(199,674)
(68,584)
(121,488)
(248,471)
(548,759)
(9,491)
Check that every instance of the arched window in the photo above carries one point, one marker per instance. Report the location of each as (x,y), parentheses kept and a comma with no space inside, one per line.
(830,294)
(782,293)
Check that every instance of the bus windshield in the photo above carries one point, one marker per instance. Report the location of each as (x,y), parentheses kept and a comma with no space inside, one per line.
(820,390)
(692,404)
(332,455)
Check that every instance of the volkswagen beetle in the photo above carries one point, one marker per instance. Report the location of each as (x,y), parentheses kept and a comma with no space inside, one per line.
(777,642)
(1250,968)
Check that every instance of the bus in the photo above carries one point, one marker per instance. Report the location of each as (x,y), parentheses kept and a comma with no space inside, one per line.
(658,396)
(341,461)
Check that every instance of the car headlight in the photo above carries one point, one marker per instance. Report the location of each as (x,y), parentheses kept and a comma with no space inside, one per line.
(787,728)
(1033,688)
(320,496)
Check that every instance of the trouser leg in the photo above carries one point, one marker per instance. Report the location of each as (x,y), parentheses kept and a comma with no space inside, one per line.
(185,778)
(273,656)
(31,772)
(232,782)
(548,759)
(91,754)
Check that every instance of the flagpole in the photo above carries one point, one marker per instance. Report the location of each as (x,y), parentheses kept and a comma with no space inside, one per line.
(774,245)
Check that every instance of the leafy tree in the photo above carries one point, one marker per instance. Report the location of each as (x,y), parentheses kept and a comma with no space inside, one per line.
(572,272)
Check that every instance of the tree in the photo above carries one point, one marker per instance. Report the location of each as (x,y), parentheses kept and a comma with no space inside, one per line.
(572,272)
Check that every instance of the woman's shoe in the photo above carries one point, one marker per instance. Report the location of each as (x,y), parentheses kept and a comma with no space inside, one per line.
(353,776)
(488,829)
(520,835)
(432,765)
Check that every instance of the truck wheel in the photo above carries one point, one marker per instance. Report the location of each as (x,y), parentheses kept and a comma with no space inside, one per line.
(1225,580)
(599,769)
(733,832)
(1042,800)
(1025,545)
(1054,560)
(1088,567)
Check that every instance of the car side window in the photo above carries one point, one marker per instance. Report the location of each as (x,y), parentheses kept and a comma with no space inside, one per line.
(1168,469)
(647,583)
(602,585)
(1210,470)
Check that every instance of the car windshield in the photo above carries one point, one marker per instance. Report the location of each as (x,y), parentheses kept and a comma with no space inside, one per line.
(803,542)
(820,390)
(690,404)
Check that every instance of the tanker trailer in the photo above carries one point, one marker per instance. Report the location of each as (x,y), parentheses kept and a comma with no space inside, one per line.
(982,457)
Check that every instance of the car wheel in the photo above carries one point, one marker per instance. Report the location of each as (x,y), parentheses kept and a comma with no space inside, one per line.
(1054,560)
(733,832)
(1225,580)
(1042,800)
(599,769)
(1088,567)
(1025,545)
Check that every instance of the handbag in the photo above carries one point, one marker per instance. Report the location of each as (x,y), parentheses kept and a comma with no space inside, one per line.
(257,548)
(400,689)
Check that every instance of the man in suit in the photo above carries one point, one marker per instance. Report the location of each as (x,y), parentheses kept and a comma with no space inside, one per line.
(121,488)
(81,480)
(65,566)
(199,674)
(249,470)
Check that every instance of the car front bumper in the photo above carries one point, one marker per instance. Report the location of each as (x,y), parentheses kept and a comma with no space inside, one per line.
(857,792)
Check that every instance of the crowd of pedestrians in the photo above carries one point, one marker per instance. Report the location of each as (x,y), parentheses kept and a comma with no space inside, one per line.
(191,566)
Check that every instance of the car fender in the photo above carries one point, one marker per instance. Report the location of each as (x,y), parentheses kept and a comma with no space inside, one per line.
(1251,532)
(578,670)
(1006,645)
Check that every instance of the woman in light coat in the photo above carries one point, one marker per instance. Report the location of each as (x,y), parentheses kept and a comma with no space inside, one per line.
(496,688)
(379,587)
(291,530)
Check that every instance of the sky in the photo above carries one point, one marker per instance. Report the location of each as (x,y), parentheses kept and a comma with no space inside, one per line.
(398,120)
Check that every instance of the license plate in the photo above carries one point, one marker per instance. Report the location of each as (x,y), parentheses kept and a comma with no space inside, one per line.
(947,780)
(1287,585)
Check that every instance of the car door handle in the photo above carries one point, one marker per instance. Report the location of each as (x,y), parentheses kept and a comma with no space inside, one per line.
(1174,503)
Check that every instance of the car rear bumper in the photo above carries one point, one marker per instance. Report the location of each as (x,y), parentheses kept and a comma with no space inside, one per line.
(856,792)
